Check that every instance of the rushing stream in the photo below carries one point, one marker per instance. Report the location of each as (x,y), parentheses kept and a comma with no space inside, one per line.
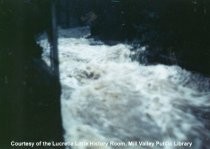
(109,98)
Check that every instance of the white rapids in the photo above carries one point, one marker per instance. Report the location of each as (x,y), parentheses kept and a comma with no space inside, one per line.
(107,97)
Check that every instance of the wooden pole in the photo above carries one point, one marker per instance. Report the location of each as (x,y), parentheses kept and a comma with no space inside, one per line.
(54,59)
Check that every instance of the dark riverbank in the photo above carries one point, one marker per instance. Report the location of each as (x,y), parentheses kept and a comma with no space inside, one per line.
(29,94)
(171,29)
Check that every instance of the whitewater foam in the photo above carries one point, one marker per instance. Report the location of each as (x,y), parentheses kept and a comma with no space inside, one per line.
(107,97)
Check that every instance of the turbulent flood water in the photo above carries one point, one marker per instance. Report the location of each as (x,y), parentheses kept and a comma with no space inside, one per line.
(109,100)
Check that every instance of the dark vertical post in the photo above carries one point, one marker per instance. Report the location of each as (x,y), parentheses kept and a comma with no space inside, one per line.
(67,13)
(54,59)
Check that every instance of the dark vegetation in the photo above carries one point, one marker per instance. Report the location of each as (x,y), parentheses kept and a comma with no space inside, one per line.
(29,94)
(175,31)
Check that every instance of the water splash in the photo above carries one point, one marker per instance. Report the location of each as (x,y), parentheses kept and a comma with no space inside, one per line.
(107,97)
